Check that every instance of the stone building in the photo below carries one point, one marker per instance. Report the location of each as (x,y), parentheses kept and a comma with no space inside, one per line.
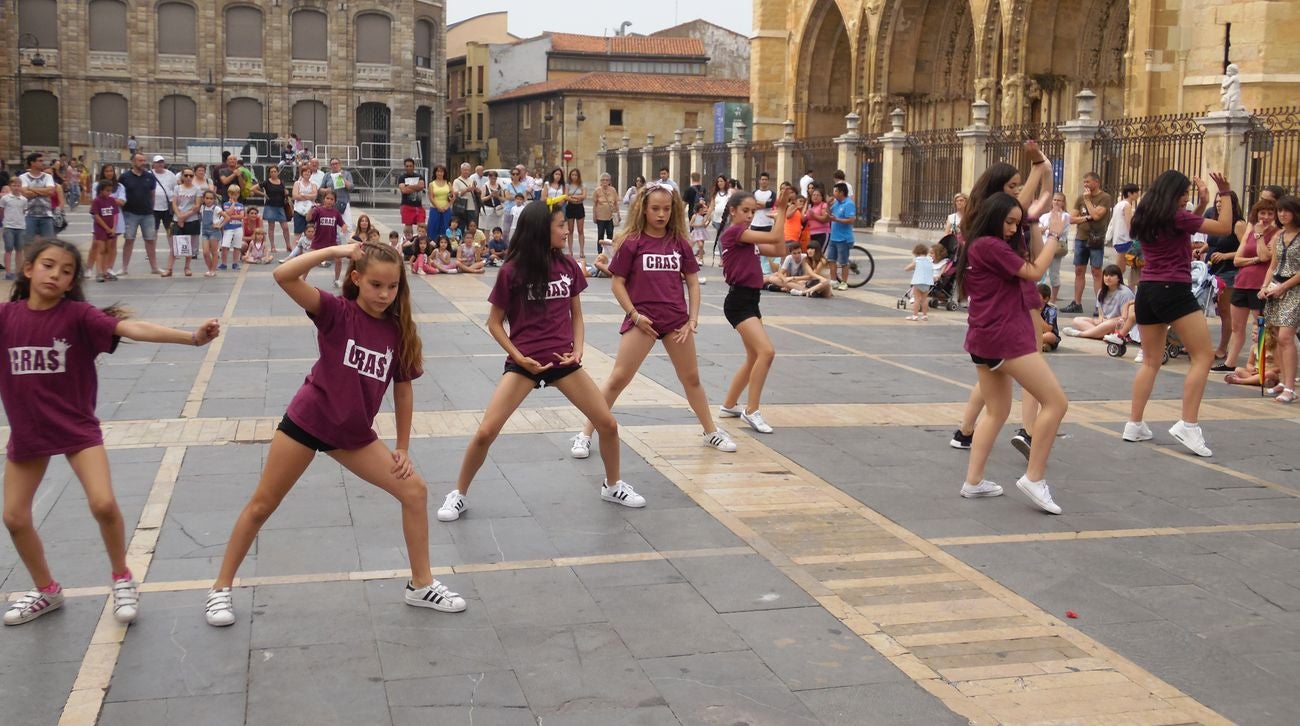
(814,61)
(728,50)
(468,84)
(367,74)
(564,91)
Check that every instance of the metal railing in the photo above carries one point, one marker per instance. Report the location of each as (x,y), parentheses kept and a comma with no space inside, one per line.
(819,154)
(1137,150)
(760,157)
(931,176)
(658,160)
(869,189)
(717,160)
(1272,152)
(1006,143)
(611,168)
(634,170)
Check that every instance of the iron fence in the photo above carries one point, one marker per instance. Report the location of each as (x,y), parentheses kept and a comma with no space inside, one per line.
(1272,152)
(717,160)
(869,187)
(634,170)
(659,158)
(1137,150)
(760,157)
(1006,143)
(931,176)
(611,167)
(819,154)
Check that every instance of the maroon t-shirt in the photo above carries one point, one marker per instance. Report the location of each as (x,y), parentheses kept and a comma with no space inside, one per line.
(741,263)
(50,384)
(540,330)
(652,268)
(107,210)
(328,221)
(998,323)
(359,355)
(1169,256)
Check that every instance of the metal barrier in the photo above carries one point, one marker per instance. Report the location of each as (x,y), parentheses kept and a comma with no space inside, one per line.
(760,157)
(347,154)
(819,154)
(931,176)
(870,187)
(634,170)
(1006,144)
(1272,152)
(1137,150)
(717,161)
(376,186)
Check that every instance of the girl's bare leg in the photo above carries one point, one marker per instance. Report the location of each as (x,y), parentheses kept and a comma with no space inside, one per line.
(586,397)
(91,467)
(21,481)
(374,463)
(995,389)
(1036,378)
(687,365)
(1153,346)
(633,347)
(759,354)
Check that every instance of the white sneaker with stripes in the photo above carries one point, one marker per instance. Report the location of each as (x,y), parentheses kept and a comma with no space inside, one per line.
(126,600)
(720,441)
(621,493)
(436,596)
(452,506)
(220,608)
(581,446)
(33,605)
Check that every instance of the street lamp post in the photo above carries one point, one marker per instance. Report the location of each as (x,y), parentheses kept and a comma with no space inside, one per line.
(26,40)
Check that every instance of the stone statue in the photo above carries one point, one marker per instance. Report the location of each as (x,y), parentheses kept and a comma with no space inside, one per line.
(603,144)
(1230,90)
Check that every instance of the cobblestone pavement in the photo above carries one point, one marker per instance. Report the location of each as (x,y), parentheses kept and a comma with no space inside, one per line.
(825,574)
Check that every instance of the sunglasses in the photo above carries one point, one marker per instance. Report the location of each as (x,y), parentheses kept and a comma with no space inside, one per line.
(186,175)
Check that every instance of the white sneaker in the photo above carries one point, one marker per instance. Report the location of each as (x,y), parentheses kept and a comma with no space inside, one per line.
(220,608)
(452,506)
(755,421)
(1039,493)
(621,493)
(436,596)
(33,605)
(126,600)
(797,292)
(720,441)
(1113,338)
(985,488)
(581,446)
(1138,431)
(1192,437)
(1139,357)
(338,283)
(1070,332)
(702,280)
(732,412)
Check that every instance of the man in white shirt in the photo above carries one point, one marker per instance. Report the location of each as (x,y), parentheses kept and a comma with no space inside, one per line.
(317,176)
(464,187)
(805,183)
(37,186)
(163,193)
(765,197)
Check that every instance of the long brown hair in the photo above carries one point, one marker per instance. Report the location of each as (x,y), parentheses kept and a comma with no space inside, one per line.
(411,357)
(677,228)
(22,288)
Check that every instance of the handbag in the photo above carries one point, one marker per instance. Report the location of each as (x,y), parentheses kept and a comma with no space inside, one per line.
(182,245)
(1096,238)
(60,219)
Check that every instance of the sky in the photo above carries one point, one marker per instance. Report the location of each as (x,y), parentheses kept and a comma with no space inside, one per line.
(530,17)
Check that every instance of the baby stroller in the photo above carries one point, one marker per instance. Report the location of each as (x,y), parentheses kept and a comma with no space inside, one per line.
(942,291)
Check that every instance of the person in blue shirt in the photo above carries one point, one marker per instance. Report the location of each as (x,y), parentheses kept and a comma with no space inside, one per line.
(843,213)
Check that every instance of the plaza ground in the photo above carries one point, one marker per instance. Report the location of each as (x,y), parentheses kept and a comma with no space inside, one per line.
(826,574)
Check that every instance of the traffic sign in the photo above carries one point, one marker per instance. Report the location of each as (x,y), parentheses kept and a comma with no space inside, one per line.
(568,155)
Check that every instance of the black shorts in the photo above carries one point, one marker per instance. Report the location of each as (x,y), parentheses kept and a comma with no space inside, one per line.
(1161,303)
(191,227)
(1249,299)
(818,240)
(163,218)
(741,304)
(992,363)
(547,377)
(295,432)
(575,211)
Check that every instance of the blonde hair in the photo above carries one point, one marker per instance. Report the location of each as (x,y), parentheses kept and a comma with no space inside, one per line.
(677,228)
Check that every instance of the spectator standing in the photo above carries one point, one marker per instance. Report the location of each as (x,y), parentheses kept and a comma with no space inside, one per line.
(304,196)
(765,198)
(340,180)
(1252,259)
(843,213)
(953,224)
(575,214)
(464,191)
(665,179)
(694,194)
(163,192)
(137,213)
(37,187)
(104,212)
(277,208)
(185,210)
(1055,225)
(1119,233)
(412,189)
(108,258)
(838,178)
(14,207)
(440,202)
(637,185)
(491,209)
(718,205)
(1091,217)
(1219,252)
(819,219)
(1282,299)
(554,188)
(805,183)
(132,146)
(202,179)
(604,209)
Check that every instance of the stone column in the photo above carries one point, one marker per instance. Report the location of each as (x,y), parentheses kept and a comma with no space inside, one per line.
(1079,133)
(785,146)
(847,155)
(623,182)
(1224,148)
(974,140)
(739,147)
(648,159)
(697,155)
(676,158)
(891,175)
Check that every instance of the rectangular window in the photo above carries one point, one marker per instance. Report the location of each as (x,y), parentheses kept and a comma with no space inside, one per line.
(478,127)
(528,116)
(480,80)
(692,119)
(616,117)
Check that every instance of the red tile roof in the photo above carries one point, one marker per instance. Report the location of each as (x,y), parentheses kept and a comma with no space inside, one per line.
(626,45)
(636,83)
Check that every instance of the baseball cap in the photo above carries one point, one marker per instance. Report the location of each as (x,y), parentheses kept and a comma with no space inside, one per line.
(158,157)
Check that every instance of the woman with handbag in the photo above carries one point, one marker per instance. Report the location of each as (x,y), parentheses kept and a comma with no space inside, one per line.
(277,209)
(185,221)
(1281,298)
(1056,228)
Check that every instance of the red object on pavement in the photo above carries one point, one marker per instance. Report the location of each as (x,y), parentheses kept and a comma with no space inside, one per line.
(1071,614)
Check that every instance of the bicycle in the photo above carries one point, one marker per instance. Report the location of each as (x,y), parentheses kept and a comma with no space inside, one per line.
(862,266)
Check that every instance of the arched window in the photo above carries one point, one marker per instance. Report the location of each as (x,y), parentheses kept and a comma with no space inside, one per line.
(176,28)
(311,122)
(423,44)
(373,123)
(108,25)
(40,18)
(108,113)
(40,125)
(374,38)
(177,116)
(243,32)
(243,118)
(310,35)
